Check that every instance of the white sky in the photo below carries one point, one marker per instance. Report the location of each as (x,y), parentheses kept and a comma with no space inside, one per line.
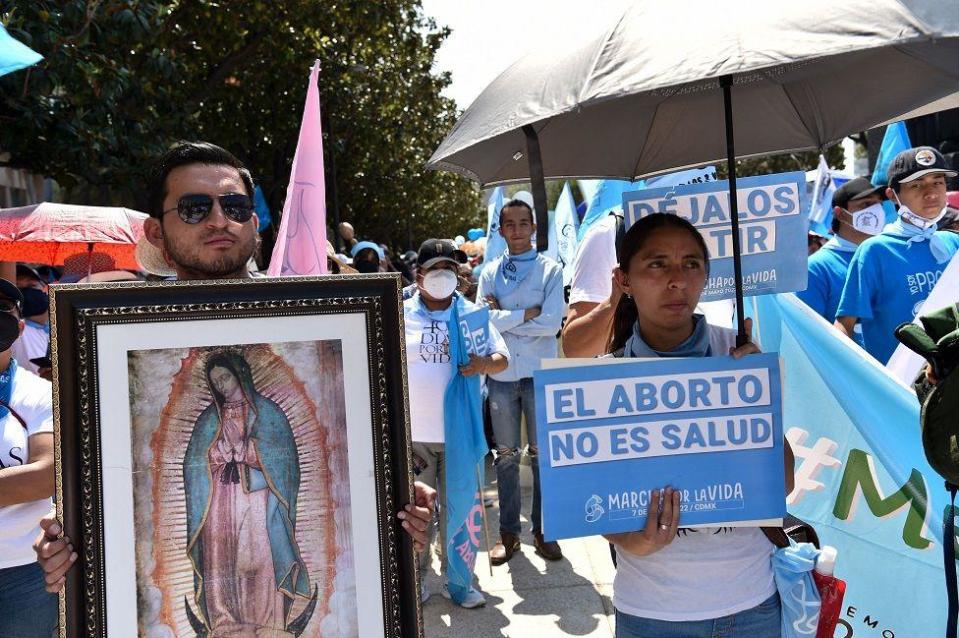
(489,35)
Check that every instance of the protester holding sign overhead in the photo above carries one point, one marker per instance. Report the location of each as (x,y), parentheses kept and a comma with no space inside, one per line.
(857,216)
(672,581)
(524,291)
(891,275)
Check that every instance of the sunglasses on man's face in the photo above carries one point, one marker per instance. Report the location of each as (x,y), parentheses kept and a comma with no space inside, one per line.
(193,209)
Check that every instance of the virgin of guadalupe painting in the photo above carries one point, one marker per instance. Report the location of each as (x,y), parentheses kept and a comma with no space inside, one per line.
(244,492)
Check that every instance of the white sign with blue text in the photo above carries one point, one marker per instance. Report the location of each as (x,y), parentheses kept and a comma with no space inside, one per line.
(773,224)
(611,433)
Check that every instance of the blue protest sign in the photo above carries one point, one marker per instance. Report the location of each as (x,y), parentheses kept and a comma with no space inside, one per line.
(773,221)
(611,433)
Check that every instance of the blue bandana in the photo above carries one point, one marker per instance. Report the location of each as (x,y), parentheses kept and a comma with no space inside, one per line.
(41,326)
(696,345)
(841,245)
(515,267)
(6,388)
(914,234)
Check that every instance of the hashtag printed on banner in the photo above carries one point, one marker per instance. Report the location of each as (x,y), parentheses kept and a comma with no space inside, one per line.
(812,460)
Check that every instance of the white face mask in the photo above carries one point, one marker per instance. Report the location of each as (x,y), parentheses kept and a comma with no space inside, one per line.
(440,284)
(910,217)
(869,220)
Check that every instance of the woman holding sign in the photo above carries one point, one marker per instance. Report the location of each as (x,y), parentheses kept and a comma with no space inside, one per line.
(673,581)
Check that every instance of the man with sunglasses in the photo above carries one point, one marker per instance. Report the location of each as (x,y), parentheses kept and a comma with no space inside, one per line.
(200,201)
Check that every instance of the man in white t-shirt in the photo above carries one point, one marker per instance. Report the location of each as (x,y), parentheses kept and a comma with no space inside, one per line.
(430,370)
(594,293)
(26,482)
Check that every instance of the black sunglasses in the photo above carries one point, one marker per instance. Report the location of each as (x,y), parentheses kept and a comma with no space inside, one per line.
(193,209)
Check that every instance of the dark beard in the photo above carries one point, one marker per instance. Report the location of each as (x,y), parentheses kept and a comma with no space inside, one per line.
(187,260)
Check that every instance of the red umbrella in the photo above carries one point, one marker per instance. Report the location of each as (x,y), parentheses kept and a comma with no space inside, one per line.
(51,234)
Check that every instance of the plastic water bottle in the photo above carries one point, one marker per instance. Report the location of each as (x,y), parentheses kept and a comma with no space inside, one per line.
(831,590)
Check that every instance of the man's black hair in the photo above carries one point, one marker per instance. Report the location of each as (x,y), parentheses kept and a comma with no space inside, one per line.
(183,154)
(518,202)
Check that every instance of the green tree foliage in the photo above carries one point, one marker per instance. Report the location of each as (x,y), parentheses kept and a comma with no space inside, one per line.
(783,163)
(122,80)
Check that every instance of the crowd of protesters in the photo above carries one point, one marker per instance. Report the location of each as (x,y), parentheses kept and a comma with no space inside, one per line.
(633,294)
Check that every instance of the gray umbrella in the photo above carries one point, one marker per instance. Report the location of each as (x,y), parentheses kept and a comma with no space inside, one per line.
(649,95)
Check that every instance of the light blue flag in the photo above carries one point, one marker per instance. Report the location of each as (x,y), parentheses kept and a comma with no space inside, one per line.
(862,479)
(262,210)
(608,197)
(894,142)
(15,55)
(588,188)
(465,447)
(563,225)
(495,244)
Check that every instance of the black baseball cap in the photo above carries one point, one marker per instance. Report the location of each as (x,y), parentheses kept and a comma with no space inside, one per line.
(855,189)
(913,163)
(433,251)
(10,291)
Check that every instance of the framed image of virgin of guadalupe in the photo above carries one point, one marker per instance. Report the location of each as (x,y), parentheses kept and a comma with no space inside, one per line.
(231,456)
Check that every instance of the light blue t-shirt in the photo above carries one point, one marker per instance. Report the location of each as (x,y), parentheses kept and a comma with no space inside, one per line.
(887,282)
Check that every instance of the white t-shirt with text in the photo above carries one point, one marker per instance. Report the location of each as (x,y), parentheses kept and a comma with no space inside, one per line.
(32,399)
(428,365)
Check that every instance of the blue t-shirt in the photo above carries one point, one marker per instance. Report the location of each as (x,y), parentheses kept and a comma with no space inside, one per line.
(887,282)
(827,276)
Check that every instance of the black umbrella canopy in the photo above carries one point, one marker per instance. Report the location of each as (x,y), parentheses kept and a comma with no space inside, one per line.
(644,97)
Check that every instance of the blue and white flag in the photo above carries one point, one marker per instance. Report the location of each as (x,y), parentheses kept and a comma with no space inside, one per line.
(563,226)
(465,447)
(861,477)
(820,201)
(894,142)
(681,178)
(607,197)
(495,244)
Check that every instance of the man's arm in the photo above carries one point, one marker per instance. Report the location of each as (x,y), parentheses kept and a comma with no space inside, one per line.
(33,480)
(588,325)
(847,325)
(504,320)
(549,319)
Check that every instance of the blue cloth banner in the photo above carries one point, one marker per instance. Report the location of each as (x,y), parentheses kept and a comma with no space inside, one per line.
(563,226)
(495,244)
(608,197)
(14,55)
(894,142)
(772,227)
(465,448)
(820,200)
(611,433)
(862,479)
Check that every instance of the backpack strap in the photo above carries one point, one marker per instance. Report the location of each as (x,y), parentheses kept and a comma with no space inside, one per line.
(794,528)
(15,415)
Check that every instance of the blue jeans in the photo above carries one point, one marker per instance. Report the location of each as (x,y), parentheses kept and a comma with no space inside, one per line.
(26,609)
(762,621)
(508,402)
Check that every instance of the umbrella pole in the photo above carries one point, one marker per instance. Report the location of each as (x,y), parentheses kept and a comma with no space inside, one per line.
(538,184)
(726,82)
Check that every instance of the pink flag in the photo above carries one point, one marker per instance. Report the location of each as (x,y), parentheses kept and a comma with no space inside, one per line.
(301,242)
